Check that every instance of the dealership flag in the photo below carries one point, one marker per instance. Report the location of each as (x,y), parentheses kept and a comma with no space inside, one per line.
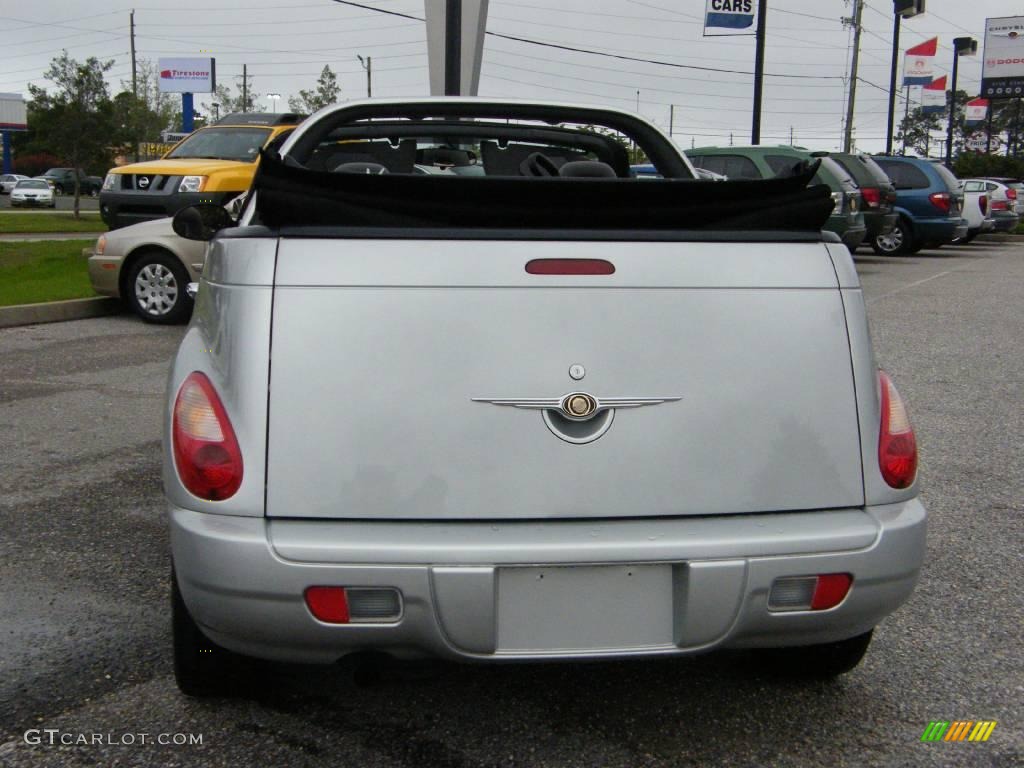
(728,14)
(933,96)
(977,110)
(918,61)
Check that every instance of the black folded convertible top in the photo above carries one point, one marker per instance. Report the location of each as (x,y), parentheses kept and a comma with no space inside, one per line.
(290,196)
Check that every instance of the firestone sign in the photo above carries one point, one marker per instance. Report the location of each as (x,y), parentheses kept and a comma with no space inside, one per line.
(187,75)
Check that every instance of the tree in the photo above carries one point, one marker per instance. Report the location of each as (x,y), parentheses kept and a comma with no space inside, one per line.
(326,93)
(76,120)
(151,110)
(923,132)
(238,103)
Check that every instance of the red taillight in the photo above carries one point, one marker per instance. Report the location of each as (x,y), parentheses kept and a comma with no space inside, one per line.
(940,200)
(1000,205)
(872,196)
(830,591)
(1011,193)
(897,446)
(206,451)
(570,267)
(328,604)
(983,204)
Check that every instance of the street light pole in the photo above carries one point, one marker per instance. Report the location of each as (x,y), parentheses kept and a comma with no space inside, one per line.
(962,46)
(273,100)
(368,66)
(901,9)
(762,22)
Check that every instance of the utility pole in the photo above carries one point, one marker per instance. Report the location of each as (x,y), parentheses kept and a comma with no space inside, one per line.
(791,135)
(245,87)
(858,12)
(368,66)
(906,118)
(762,22)
(135,90)
(671,118)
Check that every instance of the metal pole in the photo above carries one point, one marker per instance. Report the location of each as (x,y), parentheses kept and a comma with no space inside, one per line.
(671,117)
(952,109)
(369,77)
(988,129)
(755,128)
(858,12)
(245,88)
(7,166)
(892,81)
(453,47)
(135,91)
(906,116)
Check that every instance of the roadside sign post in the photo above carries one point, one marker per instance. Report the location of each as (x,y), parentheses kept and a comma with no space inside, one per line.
(13,117)
(188,77)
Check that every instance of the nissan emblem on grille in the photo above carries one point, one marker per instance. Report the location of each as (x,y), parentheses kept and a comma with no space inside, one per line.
(143,182)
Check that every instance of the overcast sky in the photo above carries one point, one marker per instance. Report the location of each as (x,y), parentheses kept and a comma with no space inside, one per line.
(286,43)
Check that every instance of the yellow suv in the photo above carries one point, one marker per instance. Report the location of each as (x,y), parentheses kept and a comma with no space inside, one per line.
(210,165)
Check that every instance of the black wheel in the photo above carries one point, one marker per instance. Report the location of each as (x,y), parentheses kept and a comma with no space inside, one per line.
(201,668)
(818,661)
(94,192)
(58,189)
(897,242)
(155,289)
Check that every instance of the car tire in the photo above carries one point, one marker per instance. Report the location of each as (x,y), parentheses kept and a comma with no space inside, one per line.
(201,667)
(897,242)
(58,189)
(155,289)
(818,661)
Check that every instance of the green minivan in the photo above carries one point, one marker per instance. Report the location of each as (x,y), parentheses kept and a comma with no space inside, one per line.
(767,162)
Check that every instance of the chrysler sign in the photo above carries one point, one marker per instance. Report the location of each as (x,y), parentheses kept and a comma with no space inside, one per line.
(187,75)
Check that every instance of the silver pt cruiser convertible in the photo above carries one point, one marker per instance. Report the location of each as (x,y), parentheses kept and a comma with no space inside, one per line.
(528,408)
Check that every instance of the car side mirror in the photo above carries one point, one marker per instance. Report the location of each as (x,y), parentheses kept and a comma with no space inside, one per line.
(201,221)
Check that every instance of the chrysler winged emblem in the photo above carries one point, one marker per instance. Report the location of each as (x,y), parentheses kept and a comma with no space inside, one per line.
(575,406)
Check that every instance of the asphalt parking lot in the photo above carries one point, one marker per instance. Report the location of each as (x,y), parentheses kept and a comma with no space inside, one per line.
(84,569)
(64,203)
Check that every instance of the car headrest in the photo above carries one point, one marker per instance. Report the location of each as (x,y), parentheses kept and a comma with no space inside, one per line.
(372,169)
(593,169)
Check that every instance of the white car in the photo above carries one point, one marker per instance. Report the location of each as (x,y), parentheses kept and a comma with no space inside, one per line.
(8,182)
(33,192)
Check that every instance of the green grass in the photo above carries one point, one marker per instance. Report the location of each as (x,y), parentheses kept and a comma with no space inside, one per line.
(36,223)
(50,270)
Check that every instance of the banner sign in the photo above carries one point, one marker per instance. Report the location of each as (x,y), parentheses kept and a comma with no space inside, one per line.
(933,97)
(728,14)
(187,75)
(1002,71)
(918,63)
(976,112)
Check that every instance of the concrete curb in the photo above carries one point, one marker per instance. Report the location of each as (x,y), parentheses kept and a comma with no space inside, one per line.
(58,311)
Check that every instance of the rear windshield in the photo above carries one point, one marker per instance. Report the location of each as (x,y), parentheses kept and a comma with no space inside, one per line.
(241,144)
(876,170)
(904,175)
(947,176)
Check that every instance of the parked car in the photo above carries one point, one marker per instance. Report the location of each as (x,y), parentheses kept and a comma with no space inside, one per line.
(765,162)
(32,193)
(213,164)
(1014,191)
(8,180)
(648,171)
(877,193)
(148,267)
(1003,203)
(501,418)
(63,181)
(928,201)
(975,209)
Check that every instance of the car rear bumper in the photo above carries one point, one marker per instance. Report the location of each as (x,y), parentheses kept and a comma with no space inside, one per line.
(636,587)
(939,231)
(879,223)
(1005,222)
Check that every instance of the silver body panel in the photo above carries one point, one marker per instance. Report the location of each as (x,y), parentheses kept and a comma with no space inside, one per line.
(349,368)
(766,421)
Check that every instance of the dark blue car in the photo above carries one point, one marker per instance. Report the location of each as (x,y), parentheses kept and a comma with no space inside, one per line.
(928,201)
